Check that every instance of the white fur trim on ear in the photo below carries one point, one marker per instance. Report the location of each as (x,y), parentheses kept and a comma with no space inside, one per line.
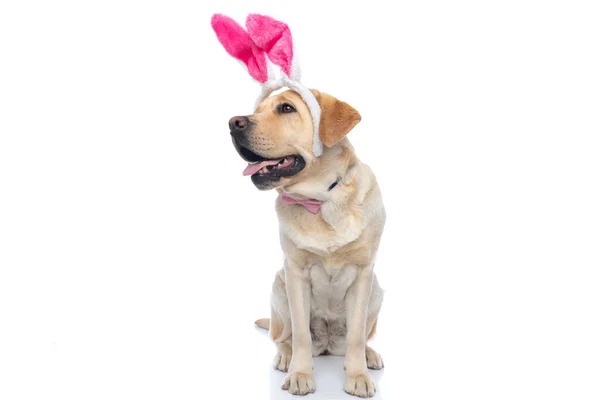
(309,99)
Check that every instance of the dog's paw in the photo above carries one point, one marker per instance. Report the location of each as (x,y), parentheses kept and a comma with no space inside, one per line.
(374,360)
(283,358)
(299,383)
(360,385)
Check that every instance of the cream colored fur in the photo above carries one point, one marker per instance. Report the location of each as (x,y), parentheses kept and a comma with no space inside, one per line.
(326,298)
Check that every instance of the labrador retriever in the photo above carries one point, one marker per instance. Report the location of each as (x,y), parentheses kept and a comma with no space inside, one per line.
(326,298)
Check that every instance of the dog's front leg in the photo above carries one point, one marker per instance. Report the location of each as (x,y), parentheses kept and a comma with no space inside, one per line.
(358,382)
(299,379)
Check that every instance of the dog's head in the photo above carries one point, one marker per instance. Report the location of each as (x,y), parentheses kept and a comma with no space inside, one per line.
(277,139)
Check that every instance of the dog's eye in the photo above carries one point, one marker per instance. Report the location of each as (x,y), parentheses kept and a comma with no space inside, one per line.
(286,108)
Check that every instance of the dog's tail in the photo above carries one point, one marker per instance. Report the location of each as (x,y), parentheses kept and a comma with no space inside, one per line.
(263,323)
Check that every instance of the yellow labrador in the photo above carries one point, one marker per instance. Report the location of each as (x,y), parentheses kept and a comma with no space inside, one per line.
(326,299)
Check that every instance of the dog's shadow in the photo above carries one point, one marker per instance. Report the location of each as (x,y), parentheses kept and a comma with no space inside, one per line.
(329,378)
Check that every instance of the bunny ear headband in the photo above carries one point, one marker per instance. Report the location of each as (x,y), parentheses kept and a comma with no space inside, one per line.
(267,38)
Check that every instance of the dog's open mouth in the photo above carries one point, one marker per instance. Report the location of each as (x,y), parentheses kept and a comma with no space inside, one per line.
(264,169)
(266,166)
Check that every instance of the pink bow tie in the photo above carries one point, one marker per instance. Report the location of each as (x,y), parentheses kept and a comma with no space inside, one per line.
(312,206)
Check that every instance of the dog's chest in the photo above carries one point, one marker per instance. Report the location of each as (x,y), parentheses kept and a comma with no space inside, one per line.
(317,237)
(329,286)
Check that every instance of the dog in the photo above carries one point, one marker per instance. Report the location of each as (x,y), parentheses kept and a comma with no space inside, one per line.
(326,299)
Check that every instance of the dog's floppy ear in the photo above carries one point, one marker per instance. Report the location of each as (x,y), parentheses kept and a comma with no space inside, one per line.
(337,118)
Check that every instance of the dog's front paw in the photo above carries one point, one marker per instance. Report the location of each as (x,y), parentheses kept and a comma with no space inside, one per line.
(360,385)
(299,383)
(374,360)
(283,358)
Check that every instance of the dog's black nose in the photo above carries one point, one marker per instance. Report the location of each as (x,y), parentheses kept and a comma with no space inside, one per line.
(238,123)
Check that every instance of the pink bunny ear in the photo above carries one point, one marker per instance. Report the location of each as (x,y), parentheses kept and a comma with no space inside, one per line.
(238,44)
(274,37)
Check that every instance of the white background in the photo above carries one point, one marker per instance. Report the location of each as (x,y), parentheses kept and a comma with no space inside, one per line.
(134,257)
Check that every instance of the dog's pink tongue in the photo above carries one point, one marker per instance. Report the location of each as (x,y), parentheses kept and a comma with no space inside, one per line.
(251,169)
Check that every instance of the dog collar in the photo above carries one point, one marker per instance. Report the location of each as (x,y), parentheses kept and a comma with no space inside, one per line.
(267,51)
(313,206)
(334,184)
